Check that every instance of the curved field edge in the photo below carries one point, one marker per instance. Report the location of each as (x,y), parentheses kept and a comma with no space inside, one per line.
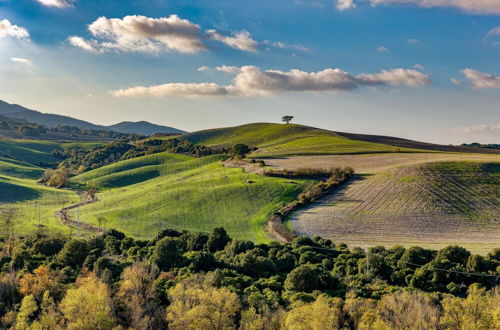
(197,194)
(430,205)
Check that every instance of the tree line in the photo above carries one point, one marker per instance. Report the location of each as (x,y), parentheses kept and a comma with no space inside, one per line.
(197,280)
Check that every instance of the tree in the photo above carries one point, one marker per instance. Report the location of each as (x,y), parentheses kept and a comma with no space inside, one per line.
(168,252)
(323,313)
(88,306)
(74,252)
(198,306)
(240,150)
(26,313)
(408,310)
(480,310)
(287,119)
(139,295)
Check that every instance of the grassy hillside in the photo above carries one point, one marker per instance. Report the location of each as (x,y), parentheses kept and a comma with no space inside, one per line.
(22,202)
(277,140)
(428,205)
(184,193)
(38,152)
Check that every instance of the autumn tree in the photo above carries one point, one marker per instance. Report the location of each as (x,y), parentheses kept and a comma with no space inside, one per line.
(89,305)
(323,313)
(140,297)
(198,306)
(480,310)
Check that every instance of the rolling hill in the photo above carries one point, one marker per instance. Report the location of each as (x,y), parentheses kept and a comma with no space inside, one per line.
(52,120)
(142,195)
(278,140)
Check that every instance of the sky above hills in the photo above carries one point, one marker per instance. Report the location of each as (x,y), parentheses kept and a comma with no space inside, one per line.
(420,69)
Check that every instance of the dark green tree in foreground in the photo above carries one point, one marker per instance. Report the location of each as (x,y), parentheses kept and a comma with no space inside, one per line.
(287,119)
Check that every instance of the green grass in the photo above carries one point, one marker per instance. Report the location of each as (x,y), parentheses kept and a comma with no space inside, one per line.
(38,152)
(278,140)
(22,201)
(184,193)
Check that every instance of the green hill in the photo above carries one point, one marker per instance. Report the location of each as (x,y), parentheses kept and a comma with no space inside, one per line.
(38,152)
(141,195)
(277,140)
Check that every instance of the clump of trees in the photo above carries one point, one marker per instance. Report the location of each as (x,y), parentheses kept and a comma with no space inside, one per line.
(57,178)
(197,280)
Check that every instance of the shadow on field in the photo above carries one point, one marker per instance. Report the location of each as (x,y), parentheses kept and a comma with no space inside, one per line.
(10,193)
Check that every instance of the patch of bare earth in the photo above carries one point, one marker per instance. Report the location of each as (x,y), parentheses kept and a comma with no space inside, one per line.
(407,206)
(373,163)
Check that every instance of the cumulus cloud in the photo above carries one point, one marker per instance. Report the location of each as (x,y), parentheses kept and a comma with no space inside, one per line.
(142,34)
(481,80)
(7,29)
(252,81)
(455,81)
(345,5)
(419,67)
(156,35)
(20,60)
(471,6)
(240,40)
(481,128)
(57,3)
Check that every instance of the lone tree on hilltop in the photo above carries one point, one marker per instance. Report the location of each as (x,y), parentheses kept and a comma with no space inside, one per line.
(287,119)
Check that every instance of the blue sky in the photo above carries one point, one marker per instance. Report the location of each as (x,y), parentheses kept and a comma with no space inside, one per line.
(429,73)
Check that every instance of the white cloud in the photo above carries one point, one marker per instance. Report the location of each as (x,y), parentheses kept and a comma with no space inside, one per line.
(480,128)
(203,68)
(456,81)
(251,81)
(90,46)
(382,49)
(471,6)
(57,3)
(494,32)
(395,77)
(345,5)
(481,80)
(173,89)
(419,67)
(240,40)
(142,34)
(7,29)
(20,60)
(228,69)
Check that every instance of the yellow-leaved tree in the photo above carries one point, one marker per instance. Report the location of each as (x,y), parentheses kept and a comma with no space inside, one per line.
(195,305)
(89,305)
(480,310)
(323,313)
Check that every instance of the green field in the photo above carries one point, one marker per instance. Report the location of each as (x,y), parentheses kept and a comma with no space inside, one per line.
(23,202)
(277,140)
(181,192)
(38,152)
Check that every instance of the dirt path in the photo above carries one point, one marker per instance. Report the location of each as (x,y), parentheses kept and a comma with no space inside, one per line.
(68,221)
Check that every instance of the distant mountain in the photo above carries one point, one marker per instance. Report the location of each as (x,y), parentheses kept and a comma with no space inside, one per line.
(52,120)
(143,127)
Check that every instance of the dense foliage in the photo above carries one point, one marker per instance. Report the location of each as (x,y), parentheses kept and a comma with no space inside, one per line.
(202,280)
(479,145)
